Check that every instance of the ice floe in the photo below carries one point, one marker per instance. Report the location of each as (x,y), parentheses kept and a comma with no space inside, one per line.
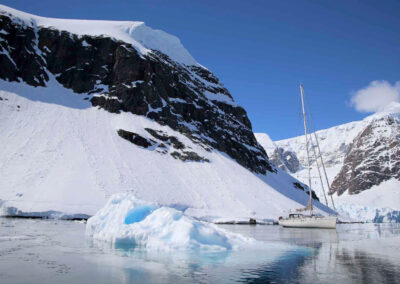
(128,221)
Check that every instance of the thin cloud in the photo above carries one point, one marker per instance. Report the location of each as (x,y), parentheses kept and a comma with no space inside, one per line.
(375,96)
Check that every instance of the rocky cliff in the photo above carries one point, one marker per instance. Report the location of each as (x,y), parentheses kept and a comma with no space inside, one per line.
(373,157)
(119,77)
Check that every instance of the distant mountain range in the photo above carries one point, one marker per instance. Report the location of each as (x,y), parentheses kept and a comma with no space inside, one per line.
(362,160)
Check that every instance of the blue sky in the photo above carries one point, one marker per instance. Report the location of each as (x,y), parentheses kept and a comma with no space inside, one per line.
(262,50)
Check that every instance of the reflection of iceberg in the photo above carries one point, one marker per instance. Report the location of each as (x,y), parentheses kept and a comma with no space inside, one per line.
(126,221)
(273,262)
(143,235)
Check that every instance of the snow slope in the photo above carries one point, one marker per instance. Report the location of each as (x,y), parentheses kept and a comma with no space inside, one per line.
(143,38)
(68,158)
(266,142)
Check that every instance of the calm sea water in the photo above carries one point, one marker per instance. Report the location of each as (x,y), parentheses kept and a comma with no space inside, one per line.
(51,251)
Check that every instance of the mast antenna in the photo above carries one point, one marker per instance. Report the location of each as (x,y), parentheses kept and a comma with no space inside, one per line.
(306,139)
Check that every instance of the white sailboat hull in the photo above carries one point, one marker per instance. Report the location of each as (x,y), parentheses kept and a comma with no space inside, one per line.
(309,222)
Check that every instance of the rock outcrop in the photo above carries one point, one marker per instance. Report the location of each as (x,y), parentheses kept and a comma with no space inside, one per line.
(286,160)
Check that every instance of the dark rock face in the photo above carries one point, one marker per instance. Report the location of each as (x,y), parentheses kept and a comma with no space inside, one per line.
(161,144)
(135,138)
(188,156)
(286,160)
(373,157)
(189,99)
(306,189)
(168,139)
(300,185)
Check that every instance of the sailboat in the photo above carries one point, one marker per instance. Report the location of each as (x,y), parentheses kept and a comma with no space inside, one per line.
(299,220)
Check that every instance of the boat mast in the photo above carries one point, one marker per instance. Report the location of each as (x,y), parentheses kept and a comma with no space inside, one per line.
(306,138)
(322,160)
(326,176)
(319,172)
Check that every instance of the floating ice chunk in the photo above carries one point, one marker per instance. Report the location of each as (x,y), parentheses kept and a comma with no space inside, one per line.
(127,221)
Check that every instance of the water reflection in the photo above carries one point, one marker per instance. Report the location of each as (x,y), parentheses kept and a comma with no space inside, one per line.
(268,263)
(369,270)
(56,251)
(356,253)
(367,253)
(283,270)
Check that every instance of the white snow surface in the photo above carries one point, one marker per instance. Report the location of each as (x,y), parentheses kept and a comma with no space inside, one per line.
(127,221)
(61,156)
(219,97)
(142,37)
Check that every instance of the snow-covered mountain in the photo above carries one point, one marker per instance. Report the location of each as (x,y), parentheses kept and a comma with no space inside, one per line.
(373,157)
(362,159)
(90,108)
